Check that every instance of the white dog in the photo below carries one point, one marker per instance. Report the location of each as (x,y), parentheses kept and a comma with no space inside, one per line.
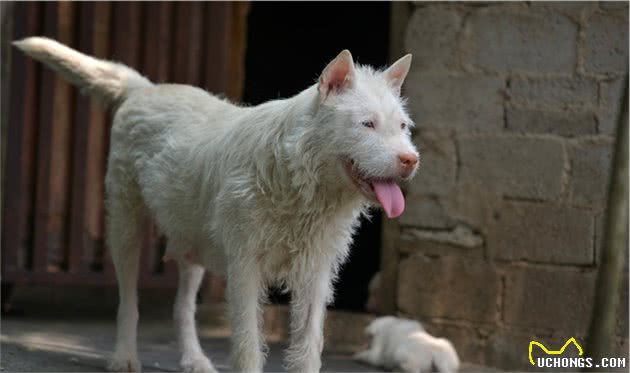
(263,194)
(404,344)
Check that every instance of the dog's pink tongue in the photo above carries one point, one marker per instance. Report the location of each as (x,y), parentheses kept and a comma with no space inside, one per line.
(390,196)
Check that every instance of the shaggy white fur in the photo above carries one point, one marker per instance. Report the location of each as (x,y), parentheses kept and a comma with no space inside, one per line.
(263,194)
(402,344)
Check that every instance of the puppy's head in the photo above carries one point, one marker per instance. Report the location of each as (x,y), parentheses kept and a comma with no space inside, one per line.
(367,129)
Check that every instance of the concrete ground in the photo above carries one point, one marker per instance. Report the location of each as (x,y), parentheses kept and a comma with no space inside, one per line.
(84,345)
(73,330)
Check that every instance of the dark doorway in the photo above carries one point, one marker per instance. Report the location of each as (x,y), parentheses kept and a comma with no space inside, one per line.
(288,46)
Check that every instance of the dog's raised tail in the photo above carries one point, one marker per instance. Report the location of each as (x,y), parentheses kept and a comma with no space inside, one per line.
(109,81)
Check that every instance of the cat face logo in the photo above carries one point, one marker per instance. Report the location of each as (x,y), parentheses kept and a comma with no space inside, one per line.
(554,352)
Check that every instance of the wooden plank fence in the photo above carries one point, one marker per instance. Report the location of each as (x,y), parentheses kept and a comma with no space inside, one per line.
(57,140)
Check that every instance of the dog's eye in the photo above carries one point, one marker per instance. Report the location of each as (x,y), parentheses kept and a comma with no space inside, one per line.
(368,124)
(403,126)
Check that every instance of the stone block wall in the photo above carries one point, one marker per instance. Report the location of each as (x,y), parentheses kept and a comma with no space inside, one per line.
(516,107)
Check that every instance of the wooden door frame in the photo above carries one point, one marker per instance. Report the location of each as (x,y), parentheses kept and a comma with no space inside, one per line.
(399,18)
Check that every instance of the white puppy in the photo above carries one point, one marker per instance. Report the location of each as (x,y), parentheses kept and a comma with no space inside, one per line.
(263,194)
(401,344)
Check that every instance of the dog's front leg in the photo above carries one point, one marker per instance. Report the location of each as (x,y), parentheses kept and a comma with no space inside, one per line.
(244,290)
(308,309)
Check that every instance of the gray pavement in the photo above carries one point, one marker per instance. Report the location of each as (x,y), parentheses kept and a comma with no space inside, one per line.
(83,345)
(73,330)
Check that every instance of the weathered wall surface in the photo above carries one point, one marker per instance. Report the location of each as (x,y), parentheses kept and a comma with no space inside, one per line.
(516,106)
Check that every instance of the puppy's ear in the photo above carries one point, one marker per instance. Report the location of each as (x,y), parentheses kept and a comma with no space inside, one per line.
(338,75)
(397,73)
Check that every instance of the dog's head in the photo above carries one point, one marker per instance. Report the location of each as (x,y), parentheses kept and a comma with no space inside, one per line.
(367,128)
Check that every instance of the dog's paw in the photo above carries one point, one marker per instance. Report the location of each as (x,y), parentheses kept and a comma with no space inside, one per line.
(198,364)
(124,364)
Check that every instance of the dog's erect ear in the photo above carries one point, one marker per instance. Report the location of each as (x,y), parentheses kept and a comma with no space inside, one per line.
(337,75)
(397,72)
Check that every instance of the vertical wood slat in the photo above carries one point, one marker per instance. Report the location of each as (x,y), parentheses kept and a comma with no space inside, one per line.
(96,143)
(126,32)
(21,132)
(238,40)
(157,39)
(178,44)
(188,33)
(40,250)
(60,176)
(6,36)
(77,250)
(29,150)
(11,242)
(55,125)
(195,33)
(217,44)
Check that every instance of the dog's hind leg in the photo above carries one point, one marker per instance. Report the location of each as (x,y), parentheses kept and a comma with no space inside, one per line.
(124,224)
(193,358)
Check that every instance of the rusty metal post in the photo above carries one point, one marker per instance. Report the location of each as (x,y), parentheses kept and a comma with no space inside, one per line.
(602,329)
